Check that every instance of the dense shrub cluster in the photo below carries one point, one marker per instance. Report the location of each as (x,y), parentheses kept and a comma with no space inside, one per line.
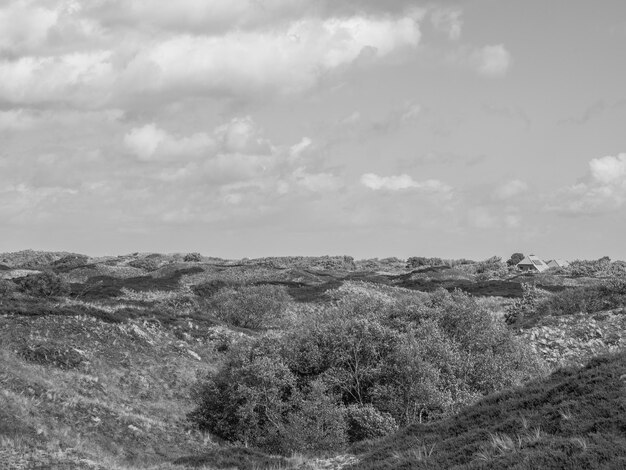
(359,368)
(149,263)
(44,284)
(192,257)
(602,267)
(588,299)
(250,306)
(69,262)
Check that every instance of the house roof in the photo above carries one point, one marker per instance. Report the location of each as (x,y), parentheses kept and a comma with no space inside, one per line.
(535,262)
(558,263)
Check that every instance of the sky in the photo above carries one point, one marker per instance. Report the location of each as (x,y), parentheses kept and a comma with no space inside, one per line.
(250,128)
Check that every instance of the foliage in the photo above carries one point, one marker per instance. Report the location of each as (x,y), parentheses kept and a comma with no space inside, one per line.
(589,299)
(366,422)
(386,360)
(420,261)
(148,263)
(602,267)
(44,284)
(514,259)
(209,288)
(7,288)
(70,262)
(192,257)
(250,306)
(521,309)
(317,423)
(573,419)
(249,399)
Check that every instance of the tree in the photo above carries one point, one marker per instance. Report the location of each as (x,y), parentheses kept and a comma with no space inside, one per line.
(515,258)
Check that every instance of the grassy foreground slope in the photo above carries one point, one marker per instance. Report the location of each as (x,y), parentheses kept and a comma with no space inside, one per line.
(574,419)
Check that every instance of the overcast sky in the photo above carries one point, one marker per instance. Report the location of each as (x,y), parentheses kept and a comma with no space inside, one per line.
(246,128)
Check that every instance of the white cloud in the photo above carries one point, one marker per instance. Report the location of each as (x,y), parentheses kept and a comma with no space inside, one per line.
(152,143)
(491,61)
(603,190)
(281,60)
(242,135)
(79,77)
(609,170)
(510,189)
(403,182)
(448,21)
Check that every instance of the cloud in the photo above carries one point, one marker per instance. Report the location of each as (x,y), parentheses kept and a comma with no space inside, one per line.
(24,27)
(491,61)
(448,21)
(285,60)
(404,182)
(216,16)
(16,119)
(602,190)
(316,182)
(152,143)
(79,78)
(510,189)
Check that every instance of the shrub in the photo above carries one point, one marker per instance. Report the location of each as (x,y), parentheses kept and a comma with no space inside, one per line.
(366,422)
(420,261)
(385,360)
(208,289)
(192,257)
(7,288)
(45,284)
(514,259)
(317,424)
(250,306)
(586,299)
(147,264)
(70,262)
(248,400)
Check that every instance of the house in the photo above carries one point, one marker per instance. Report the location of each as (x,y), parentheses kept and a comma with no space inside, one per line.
(532,263)
(557,263)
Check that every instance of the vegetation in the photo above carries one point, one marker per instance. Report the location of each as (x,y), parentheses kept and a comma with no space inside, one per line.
(360,366)
(373,363)
(514,259)
(45,284)
(574,419)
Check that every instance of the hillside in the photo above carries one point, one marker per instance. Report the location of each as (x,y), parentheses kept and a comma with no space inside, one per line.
(575,419)
(102,359)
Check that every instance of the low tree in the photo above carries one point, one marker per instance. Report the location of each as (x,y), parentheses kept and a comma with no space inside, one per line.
(514,259)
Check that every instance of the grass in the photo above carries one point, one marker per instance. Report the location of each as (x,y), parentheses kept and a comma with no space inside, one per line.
(574,419)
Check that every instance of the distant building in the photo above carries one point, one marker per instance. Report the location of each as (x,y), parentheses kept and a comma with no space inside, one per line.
(532,263)
(557,263)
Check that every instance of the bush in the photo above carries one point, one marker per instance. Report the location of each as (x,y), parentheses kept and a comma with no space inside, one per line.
(147,264)
(250,306)
(384,360)
(45,284)
(586,299)
(192,257)
(70,262)
(208,289)
(366,422)
(514,259)
(7,288)
(249,398)
(317,424)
